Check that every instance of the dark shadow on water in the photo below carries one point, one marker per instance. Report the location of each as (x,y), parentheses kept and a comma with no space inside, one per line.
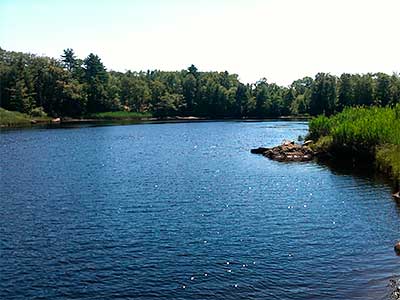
(76,124)
(361,169)
(365,170)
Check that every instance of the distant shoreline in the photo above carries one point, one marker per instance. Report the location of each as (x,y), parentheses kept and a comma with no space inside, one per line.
(31,122)
(178,118)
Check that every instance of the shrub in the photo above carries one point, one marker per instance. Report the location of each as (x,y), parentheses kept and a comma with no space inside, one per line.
(38,112)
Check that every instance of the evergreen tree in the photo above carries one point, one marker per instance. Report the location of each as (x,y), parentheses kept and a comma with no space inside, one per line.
(364,90)
(72,87)
(20,98)
(346,92)
(382,95)
(242,99)
(96,79)
(190,91)
(394,89)
(323,94)
(69,59)
(288,99)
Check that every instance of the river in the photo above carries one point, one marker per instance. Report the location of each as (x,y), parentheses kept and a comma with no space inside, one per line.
(185,211)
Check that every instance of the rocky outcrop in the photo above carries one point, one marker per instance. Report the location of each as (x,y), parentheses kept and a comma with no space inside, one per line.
(395,289)
(397,248)
(288,151)
(259,150)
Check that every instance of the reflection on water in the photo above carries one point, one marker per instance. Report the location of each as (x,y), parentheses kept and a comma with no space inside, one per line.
(184,211)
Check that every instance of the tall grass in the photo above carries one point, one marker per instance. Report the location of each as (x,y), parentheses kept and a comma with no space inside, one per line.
(120,115)
(388,160)
(16,119)
(375,130)
(360,126)
(13,118)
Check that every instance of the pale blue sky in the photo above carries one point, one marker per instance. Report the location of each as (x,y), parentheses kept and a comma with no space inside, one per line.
(281,40)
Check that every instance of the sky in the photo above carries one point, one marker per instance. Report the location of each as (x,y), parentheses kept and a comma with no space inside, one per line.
(281,40)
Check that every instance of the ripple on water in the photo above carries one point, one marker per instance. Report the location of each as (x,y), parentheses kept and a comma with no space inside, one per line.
(184,211)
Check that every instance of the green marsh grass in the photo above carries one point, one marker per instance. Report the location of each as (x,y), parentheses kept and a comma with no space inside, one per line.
(16,119)
(374,130)
(13,118)
(120,115)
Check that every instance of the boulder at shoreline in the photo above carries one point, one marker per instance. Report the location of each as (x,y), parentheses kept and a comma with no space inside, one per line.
(288,151)
(397,248)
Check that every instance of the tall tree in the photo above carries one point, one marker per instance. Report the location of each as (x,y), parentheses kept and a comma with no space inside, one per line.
(190,91)
(20,97)
(364,90)
(346,91)
(242,100)
(96,79)
(323,95)
(288,99)
(382,95)
(261,96)
(394,89)
(69,59)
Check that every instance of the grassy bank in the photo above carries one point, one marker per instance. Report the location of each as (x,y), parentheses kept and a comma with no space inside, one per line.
(13,118)
(119,115)
(17,119)
(365,133)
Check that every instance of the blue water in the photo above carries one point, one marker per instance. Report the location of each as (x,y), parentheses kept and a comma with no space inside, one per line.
(184,211)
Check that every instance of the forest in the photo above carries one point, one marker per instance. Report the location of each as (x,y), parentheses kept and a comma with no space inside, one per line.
(73,87)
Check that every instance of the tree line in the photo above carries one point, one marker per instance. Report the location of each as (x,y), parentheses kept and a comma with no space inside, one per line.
(74,87)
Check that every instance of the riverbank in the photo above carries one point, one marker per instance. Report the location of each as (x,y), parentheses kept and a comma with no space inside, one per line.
(11,119)
(118,115)
(17,119)
(368,137)
(360,136)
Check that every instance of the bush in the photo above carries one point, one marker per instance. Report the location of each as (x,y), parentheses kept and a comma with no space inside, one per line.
(38,112)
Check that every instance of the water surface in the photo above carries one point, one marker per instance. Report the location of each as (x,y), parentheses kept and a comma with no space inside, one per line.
(184,211)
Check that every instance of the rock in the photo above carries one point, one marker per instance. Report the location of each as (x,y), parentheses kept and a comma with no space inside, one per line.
(33,121)
(56,120)
(397,248)
(288,151)
(287,143)
(308,142)
(396,195)
(395,289)
(259,150)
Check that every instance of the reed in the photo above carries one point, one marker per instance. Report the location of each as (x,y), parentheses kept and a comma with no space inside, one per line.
(373,131)
(119,115)
(13,118)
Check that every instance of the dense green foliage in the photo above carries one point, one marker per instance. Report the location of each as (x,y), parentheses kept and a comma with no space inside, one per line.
(73,87)
(373,131)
